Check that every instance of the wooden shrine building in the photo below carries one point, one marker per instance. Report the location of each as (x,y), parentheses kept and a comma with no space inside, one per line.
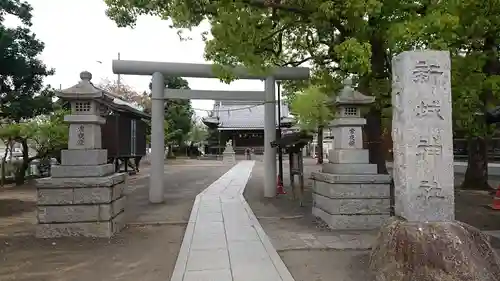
(243,123)
(124,133)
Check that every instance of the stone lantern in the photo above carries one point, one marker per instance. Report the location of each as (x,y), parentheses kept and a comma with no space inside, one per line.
(84,196)
(347,129)
(348,192)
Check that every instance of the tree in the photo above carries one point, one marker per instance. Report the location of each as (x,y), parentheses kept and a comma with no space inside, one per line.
(8,133)
(469,30)
(335,37)
(198,133)
(47,135)
(178,114)
(313,110)
(127,93)
(22,93)
(476,79)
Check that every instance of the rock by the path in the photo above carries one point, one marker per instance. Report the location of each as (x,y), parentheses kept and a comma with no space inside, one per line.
(434,251)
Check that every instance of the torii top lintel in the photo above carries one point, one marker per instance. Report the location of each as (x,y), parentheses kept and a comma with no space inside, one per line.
(193,70)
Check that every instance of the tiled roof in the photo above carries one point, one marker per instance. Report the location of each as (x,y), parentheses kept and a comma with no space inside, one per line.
(236,114)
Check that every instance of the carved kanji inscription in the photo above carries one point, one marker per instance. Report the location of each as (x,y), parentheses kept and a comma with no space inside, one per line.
(429,109)
(430,189)
(423,71)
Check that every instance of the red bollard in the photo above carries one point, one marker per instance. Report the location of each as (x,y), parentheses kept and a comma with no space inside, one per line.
(496,200)
(279,187)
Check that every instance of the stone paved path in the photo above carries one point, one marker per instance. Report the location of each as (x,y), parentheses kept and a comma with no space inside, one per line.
(224,240)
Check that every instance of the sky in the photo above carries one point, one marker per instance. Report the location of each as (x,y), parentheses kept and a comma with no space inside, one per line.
(78,35)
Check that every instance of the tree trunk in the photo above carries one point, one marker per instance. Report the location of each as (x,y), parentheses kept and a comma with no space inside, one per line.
(320,144)
(21,171)
(3,163)
(476,176)
(374,138)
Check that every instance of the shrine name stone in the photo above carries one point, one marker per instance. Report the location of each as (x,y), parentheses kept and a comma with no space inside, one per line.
(422,136)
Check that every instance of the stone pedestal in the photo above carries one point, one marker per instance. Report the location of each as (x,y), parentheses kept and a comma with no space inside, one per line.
(348,193)
(84,196)
(92,206)
(229,156)
(433,251)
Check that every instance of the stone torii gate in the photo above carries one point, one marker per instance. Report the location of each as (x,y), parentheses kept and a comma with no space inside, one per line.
(160,70)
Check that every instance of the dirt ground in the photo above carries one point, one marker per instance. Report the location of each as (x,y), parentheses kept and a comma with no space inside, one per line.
(146,250)
(148,247)
(314,253)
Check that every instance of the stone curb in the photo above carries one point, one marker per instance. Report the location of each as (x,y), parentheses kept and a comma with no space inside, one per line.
(182,257)
(271,251)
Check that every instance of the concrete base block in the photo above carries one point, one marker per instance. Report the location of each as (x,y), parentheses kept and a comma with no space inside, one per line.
(229,158)
(84,157)
(82,195)
(347,178)
(356,169)
(80,213)
(351,206)
(355,205)
(62,171)
(357,190)
(90,207)
(104,229)
(351,222)
(69,182)
(348,156)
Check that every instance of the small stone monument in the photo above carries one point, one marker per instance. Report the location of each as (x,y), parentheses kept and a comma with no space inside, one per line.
(348,192)
(84,196)
(424,242)
(229,156)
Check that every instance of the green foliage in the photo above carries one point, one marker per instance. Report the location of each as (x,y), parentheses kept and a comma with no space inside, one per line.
(178,113)
(176,83)
(12,132)
(46,134)
(198,133)
(340,38)
(49,134)
(336,38)
(22,93)
(312,108)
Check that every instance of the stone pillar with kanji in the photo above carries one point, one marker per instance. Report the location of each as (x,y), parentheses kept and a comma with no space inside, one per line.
(348,192)
(424,241)
(84,196)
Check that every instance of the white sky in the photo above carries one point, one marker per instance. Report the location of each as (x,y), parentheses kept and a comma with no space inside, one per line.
(77,34)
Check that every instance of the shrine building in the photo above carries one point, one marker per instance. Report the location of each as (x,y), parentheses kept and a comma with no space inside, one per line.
(243,123)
